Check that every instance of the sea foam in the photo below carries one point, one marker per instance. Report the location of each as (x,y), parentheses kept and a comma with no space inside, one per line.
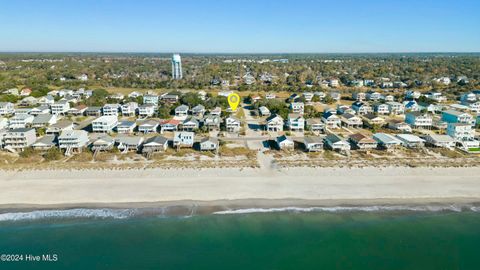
(69,213)
(379,208)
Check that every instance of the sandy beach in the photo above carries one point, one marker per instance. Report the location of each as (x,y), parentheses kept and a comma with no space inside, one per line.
(295,186)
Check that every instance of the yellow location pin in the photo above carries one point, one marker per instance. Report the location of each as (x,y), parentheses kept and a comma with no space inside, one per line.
(233,101)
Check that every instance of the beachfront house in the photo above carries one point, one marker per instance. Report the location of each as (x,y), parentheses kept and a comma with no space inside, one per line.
(313,143)
(73,141)
(419,120)
(460,131)
(129,109)
(19,139)
(232,124)
(209,144)
(103,143)
(146,110)
(336,143)
(104,124)
(126,144)
(362,142)
(284,143)
(183,139)
(410,140)
(452,116)
(386,141)
(155,144)
(274,123)
(126,127)
(296,122)
(44,143)
(351,120)
(443,141)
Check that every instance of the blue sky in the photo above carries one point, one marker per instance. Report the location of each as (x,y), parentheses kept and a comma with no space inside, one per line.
(247,26)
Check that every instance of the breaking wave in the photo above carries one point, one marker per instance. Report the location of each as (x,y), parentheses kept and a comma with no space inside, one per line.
(380,208)
(69,213)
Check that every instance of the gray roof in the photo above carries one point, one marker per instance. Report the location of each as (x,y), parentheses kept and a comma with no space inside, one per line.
(334,138)
(129,140)
(126,124)
(156,139)
(48,140)
(15,130)
(311,139)
(42,118)
(385,138)
(211,139)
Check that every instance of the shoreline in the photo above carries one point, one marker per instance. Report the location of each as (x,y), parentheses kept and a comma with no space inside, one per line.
(238,188)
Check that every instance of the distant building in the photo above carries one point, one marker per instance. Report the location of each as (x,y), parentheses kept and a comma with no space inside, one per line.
(177,67)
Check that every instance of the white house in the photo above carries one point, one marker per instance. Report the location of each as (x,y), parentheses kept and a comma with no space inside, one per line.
(20,120)
(264,111)
(110,109)
(44,120)
(313,144)
(60,107)
(148,126)
(20,138)
(297,107)
(129,109)
(336,143)
(350,120)
(209,144)
(73,141)
(181,110)
(126,127)
(410,140)
(443,141)
(419,120)
(6,108)
(274,123)
(146,110)
(381,108)
(104,124)
(396,108)
(232,124)
(295,122)
(151,99)
(331,120)
(386,141)
(183,139)
(361,108)
(284,143)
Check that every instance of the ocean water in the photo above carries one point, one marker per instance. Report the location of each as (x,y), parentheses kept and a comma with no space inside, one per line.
(391,237)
